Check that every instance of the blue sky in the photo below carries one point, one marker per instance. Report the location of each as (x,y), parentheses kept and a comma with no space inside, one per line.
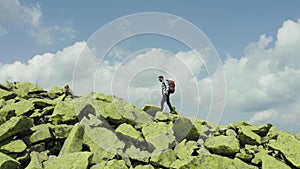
(230,25)
(47,42)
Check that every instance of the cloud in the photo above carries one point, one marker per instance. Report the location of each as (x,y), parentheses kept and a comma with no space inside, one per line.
(30,19)
(262,86)
(45,70)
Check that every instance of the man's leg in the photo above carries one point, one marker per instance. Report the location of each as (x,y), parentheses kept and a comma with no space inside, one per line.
(163,100)
(168,102)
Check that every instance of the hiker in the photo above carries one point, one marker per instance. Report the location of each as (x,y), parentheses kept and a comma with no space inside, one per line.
(165,85)
(68,91)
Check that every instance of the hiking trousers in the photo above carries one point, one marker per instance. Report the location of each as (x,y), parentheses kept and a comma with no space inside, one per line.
(165,98)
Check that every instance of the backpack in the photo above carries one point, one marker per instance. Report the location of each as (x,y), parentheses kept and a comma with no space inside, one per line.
(171,85)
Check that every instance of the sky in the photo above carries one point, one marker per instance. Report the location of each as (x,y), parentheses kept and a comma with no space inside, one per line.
(231,60)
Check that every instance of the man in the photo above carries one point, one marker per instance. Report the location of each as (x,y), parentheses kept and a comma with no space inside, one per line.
(166,94)
(68,91)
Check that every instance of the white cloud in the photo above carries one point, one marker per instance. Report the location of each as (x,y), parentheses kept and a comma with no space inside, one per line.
(46,70)
(262,85)
(30,19)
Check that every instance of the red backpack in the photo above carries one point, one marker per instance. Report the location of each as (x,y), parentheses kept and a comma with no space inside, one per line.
(171,86)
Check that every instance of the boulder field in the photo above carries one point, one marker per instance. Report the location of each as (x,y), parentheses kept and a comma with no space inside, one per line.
(47,129)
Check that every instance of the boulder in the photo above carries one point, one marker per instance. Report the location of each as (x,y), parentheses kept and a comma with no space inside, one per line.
(24,89)
(243,155)
(215,161)
(105,138)
(135,115)
(164,116)
(160,135)
(247,136)
(165,159)
(42,103)
(223,145)
(14,146)
(151,109)
(99,154)
(14,126)
(185,149)
(56,91)
(144,167)
(111,164)
(35,162)
(289,146)
(270,162)
(6,95)
(138,154)
(78,160)
(74,141)
(182,127)
(6,162)
(61,131)
(129,131)
(64,112)
(41,133)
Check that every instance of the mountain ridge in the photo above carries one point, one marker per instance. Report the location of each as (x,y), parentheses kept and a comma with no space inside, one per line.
(47,129)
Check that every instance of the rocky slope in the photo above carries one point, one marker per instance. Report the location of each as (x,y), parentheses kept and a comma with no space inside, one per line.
(46,129)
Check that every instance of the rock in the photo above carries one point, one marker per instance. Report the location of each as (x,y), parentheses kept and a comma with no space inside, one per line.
(243,155)
(42,102)
(64,112)
(223,145)
(111,164)
(74,141)
(135,115)
(46,111)
(129,131)
(144,167)
(137,154)
(165,159)
(78,160)
(182,127)
(6,162)
(23,107)
(132,114)
(164,116)
(14,126)
(105,138)
(270,162)
(102,97)
(7,111)
(35,162)
(14,146)
(160,135)
(215,161)
(24,89)
(247,136)
(56,91)
(151,109)
(41,133)
(61,130)
(110,112)
(6,95)
(185,149)
(230,132)
(259,154)
(99,154)
(289,146)
(181,163)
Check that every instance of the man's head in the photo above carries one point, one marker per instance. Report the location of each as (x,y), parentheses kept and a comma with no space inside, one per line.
(67,87)
(160,78)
